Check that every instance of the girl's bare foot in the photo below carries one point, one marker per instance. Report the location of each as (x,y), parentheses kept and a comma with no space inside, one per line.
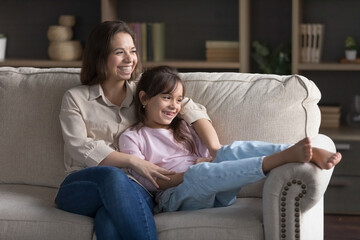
(325,159)
(299,152)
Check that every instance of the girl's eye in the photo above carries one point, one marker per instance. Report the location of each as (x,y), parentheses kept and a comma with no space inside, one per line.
(179,100)
(166,97)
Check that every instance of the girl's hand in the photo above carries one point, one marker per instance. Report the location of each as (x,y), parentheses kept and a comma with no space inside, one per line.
(199,160)
(150,171)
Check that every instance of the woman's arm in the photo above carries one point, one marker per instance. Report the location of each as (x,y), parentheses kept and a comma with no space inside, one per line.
(208,135)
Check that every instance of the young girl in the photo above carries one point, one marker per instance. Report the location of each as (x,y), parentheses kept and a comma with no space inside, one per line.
(201,181)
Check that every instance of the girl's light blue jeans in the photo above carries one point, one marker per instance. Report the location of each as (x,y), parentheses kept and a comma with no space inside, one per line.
(122,208)
(216,183)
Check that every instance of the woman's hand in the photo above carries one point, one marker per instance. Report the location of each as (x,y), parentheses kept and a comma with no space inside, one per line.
(141,166)
(151,171)
(199,160)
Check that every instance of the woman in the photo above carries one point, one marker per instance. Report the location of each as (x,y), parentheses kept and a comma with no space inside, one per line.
(92,116)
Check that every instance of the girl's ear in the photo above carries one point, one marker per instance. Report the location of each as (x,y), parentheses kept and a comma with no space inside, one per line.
(143,98)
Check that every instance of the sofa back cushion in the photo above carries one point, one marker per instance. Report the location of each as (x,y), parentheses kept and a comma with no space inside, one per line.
(242,107)
(31,142)
(266,107)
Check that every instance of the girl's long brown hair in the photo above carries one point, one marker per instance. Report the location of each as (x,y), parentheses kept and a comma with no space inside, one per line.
(160,80)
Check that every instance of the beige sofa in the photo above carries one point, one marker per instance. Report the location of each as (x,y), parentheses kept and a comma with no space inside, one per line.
(282,109)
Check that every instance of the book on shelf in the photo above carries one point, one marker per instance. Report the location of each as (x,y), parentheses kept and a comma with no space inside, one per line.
(158,41)
(330,123)
(221,44)
(143,49)
(330,108)
(150,40)
(311,44)
(222,51)
(330,116)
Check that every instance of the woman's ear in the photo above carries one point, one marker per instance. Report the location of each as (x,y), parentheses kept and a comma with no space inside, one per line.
(143,98)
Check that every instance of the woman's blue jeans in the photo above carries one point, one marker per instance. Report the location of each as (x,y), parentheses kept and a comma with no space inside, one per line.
(216,183)
(122,208)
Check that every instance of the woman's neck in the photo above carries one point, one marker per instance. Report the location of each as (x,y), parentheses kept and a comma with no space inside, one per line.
(115,92)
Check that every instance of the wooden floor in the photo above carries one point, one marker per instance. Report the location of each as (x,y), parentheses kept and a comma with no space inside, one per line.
(339,227)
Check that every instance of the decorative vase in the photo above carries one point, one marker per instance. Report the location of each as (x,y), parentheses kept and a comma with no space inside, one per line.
(65,50)
(59,33)
(353,117)
(2,48)
(350,54)
(67,20)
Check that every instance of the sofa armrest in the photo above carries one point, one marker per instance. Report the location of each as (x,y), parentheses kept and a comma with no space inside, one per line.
(290,191)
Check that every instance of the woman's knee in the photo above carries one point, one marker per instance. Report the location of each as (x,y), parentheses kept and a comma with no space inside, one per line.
(107,175)
(111,172)
(93,174)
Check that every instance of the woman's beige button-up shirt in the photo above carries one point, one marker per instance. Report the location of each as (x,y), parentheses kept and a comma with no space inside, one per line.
(91,124)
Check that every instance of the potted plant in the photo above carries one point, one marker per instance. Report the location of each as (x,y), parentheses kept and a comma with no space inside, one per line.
(350,48)
(2,46)
(272,60)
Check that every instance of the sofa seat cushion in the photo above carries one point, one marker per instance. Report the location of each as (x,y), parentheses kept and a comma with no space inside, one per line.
(32,209)
(242,220)
(29,213)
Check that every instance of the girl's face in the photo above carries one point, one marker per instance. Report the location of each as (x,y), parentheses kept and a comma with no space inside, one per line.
(122,58)
(161,109)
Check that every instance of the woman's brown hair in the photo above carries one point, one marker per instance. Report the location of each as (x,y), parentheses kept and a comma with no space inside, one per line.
(162,80)
(97,50)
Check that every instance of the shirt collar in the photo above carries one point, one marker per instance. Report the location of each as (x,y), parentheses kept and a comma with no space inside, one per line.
(96,91)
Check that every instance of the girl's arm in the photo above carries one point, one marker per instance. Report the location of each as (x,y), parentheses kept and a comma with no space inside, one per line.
(196,114)
(208,135)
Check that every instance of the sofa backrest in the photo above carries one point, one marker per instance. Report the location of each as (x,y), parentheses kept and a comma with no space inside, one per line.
(242,107)
(31,142)
(267,107)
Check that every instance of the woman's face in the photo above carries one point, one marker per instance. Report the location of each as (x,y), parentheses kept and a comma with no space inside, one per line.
(122,58)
